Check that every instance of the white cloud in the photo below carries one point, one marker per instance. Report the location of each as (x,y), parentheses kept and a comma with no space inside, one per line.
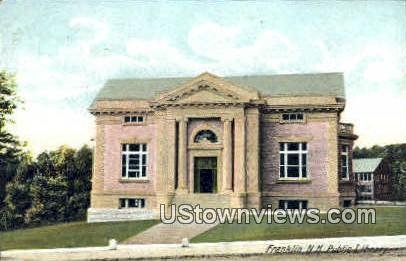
(98,30)
(216,48)
(214,41)
(373,62)
(159,57)
(270,51)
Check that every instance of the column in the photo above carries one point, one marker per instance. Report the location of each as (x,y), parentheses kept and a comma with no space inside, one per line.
(169,133)
(182,157)
(240,178)
(227,156)
(252,158)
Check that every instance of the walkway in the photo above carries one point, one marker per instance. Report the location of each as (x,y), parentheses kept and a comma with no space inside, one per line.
(169,233)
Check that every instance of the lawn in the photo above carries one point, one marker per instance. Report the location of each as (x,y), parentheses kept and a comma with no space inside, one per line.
(389,221)
(75,234)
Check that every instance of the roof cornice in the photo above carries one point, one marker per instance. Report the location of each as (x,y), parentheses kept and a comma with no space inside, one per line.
(338,107)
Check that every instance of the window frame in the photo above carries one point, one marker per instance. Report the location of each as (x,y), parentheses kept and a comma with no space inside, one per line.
(286,203)
(345,153)
(136,120)
(138,202)
(142,175)
(292,119)
(202,132)
(300,152)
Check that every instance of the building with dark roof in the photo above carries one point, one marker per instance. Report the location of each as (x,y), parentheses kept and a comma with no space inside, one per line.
(241,141)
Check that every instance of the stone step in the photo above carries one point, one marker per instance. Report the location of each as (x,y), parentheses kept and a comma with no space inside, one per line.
(204,200)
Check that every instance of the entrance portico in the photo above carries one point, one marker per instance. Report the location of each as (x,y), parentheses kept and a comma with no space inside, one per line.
(209,118)
(208,145)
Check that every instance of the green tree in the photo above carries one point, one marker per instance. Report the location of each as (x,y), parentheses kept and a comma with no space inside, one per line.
(18,196)
(10,147)
(49,197)
(79,200)
(18,201)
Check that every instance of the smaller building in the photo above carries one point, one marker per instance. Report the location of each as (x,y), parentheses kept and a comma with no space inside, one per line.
(373,179)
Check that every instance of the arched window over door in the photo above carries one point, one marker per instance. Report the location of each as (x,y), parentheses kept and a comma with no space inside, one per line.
(205,135)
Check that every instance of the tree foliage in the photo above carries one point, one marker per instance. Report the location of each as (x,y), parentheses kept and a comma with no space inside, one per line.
(54,188)
(10,147)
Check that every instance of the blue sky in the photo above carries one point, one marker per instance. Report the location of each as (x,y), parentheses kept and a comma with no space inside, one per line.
(63,51)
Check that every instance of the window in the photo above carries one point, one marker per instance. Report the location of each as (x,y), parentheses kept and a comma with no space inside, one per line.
(344,162)
(292,204)
(366,197)
(293,160)
(293,117)
(132,203)
(347,203)
(205,135)
(364,176)
(133,119)
(134,161)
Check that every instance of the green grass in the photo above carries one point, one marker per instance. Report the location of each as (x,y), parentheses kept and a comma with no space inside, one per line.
(75,234)
(389,221)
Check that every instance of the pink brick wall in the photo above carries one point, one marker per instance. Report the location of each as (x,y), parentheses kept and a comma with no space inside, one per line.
(316,162)
(114,134)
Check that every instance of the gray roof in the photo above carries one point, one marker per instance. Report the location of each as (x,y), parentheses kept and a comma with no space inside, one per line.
(365,165)
(319,84)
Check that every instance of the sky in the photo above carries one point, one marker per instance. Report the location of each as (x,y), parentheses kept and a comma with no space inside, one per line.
(63,51)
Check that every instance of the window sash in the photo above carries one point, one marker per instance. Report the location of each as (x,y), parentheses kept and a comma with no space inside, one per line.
(131,203)
(345,174)
(286,154)
(133,119)
(294,117)
(288,204)
(135,161)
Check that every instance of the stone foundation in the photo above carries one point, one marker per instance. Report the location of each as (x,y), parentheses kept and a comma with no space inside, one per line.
(111,214)
(322,203)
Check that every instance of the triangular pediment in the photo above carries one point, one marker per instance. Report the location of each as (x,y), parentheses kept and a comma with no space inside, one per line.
(206,96)
(206,88)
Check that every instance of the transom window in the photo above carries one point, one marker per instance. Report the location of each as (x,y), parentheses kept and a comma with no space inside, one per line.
(133,119)
(293,160)
(296,116)
(205,135)
(132,203)
(134,161)
(344,162)
(292,204)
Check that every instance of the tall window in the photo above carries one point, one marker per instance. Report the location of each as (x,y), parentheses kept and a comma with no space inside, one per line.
(344,162)
(293,160)
(134,161)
